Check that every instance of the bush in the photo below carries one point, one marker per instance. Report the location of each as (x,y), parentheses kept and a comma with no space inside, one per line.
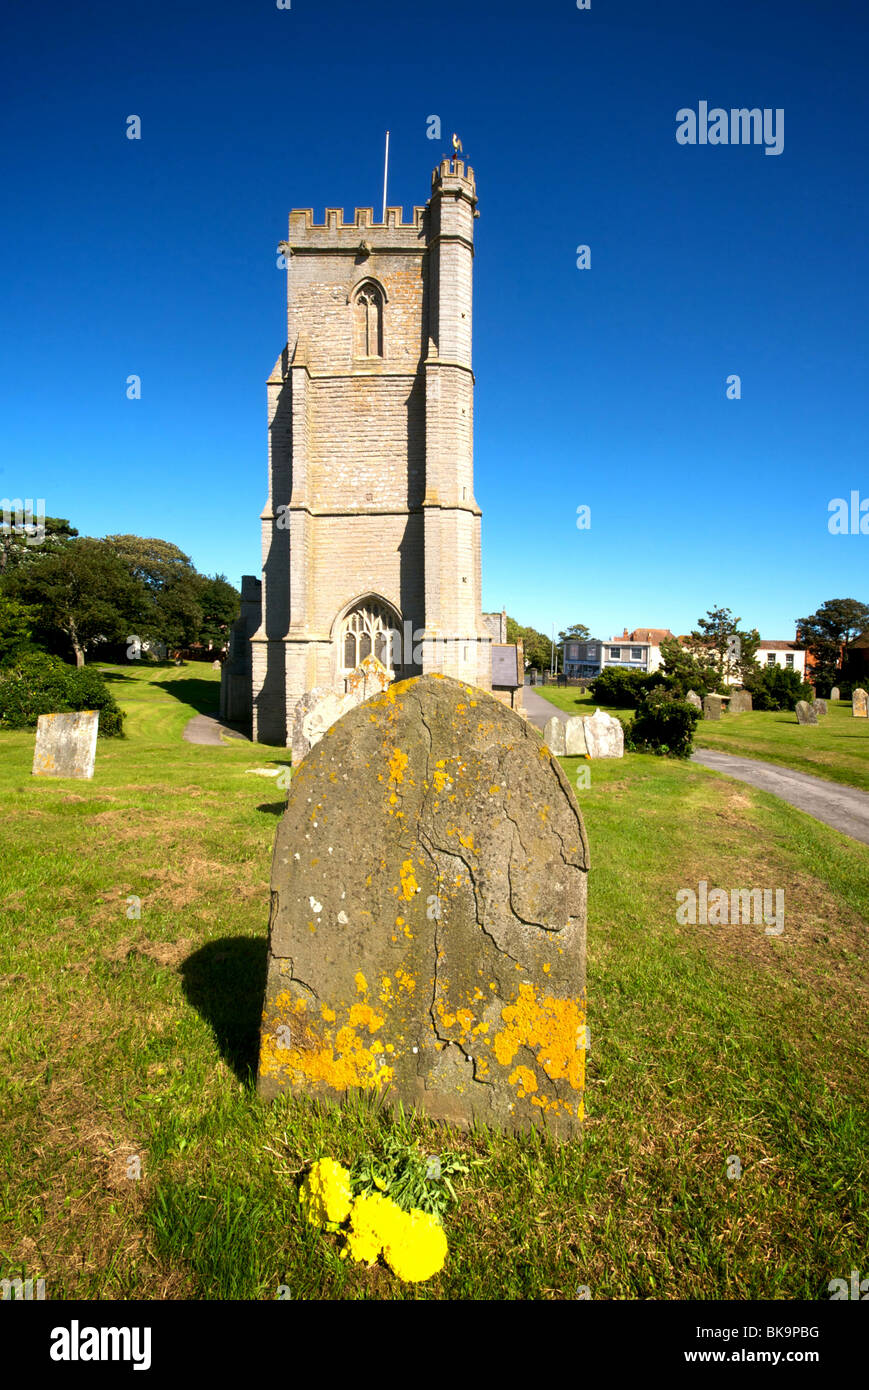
(38,684)
(664,723)
(622,688)
(776,687)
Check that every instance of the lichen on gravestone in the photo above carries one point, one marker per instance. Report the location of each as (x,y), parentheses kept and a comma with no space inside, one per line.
(427,934)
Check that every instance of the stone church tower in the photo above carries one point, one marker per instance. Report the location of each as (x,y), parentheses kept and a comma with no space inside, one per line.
(371,532)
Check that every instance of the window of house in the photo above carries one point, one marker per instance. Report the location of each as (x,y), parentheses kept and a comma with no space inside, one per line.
(770,658)
(615,653)
(368,321)
(789,659)
(636,653)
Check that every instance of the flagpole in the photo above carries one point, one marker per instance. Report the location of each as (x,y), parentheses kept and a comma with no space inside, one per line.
(385,169)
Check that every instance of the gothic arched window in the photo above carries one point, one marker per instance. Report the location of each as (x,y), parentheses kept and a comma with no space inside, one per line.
(370,627)
(368,321)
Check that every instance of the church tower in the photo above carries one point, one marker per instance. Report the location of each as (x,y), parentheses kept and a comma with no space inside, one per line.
(371,532)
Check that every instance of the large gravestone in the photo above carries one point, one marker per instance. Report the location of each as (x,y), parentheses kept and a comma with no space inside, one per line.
(574,737)
(859,702)
(318,709)
(693,698)
(740,702)
(554,737)
(834,693)
(819,706)
(711,707)
(604,736)
(806,713)
(66,744)
(428,915)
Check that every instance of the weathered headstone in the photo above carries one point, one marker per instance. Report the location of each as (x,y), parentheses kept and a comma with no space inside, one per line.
(574,737)
(694,699)
(834,693)
(859,702)
(740,702)
(318,709)
(819,706)
(711,707)
(428,915)
(604,736)
(66,744)
(215,665)
(554,736)
(806,713)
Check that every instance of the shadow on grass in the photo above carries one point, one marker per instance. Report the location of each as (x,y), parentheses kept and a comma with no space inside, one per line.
(203,696)
(273,808)
(225,982)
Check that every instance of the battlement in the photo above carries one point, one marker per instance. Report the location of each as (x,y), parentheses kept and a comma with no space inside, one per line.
(452,169)
(302,221)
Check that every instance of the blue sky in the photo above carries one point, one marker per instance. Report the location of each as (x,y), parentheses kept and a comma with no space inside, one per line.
(603,387)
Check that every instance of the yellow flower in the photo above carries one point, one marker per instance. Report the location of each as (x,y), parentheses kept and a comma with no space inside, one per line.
(326,1192)
(373,1221)
(417,1248)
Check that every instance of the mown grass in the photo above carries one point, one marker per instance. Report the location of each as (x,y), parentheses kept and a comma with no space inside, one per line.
(127,1038)
(836,748)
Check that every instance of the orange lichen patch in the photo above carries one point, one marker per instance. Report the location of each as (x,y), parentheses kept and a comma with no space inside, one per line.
(465,1017)
(467,842)
(524,1078)
(549,1026)
(493,790)
(406,981)
(360,982)
(546,968)
(397,764)
(409,886)
(362,1015)
(440,779)
(288,1005)
(328,1014)
(385,990)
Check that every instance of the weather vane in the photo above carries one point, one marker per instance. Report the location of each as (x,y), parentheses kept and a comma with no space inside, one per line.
(457,145)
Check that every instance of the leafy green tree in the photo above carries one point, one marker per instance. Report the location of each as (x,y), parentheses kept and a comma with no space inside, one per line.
(16,549)
(16,629)
(829,632)
(689,670)
(730,649)
(221,605)
(537,645)
(83,591)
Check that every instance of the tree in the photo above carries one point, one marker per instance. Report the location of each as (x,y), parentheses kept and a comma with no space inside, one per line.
(83,591)
(16,626)
(689,670)
(730,649)
(829,632)
(221,605)
(536,645)
(184,607)
(16,548)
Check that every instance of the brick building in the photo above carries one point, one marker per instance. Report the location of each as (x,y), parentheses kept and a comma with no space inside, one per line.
(371,532)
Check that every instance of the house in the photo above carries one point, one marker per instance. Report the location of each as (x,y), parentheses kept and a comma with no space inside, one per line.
(773,652)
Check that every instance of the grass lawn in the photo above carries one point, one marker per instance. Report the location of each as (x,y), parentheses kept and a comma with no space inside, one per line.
(837,748)
(124,1037)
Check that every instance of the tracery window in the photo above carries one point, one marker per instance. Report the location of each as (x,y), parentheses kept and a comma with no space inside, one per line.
(369,628)
(368,321)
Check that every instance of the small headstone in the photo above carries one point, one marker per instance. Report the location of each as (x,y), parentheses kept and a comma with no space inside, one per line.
(554,736)
(427,928)
(66,744)
(711,707)
(318,709)
(834,693)
(819,706)
(574,737)
(740,702)
(859,702)
(215,665)
(806,713)
(693,698)
(604,736)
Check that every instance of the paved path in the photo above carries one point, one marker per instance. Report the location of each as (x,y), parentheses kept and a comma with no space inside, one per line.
(538,709)
(845,808)
(207,728)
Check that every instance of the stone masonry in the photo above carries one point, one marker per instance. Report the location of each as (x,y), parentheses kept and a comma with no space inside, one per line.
(371,527)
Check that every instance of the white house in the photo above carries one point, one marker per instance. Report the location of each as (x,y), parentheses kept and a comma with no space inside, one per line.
(772,652)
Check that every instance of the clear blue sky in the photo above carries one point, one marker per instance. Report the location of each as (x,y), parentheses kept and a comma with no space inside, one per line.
(603,387)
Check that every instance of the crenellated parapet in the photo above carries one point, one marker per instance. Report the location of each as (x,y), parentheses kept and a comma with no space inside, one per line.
(336,233)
